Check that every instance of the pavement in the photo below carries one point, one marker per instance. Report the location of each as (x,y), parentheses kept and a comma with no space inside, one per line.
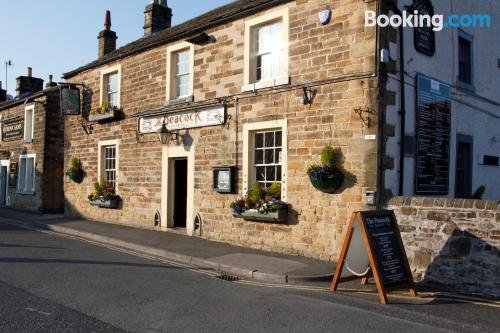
(201,253)
(51,282)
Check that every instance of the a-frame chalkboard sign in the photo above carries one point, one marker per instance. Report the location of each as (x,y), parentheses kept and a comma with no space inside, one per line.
(373,247)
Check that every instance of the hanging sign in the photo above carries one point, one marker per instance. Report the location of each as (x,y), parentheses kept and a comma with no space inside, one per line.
(433,136)
(70,100)
(12,130)
(211,116)
(373,247)
(424,37)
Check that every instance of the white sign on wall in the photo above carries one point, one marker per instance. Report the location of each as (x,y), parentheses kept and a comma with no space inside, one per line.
(210,116)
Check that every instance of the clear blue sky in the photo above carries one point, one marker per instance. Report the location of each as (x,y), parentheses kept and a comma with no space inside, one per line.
(55,36)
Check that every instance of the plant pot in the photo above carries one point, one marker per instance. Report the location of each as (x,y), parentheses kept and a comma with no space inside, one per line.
(103,116)
(279,216)
(76,176)
(328,183)
(111,203)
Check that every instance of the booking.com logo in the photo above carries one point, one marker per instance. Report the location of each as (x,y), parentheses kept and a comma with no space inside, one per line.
(436,22)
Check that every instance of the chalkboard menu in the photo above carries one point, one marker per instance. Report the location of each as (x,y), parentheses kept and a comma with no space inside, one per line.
(70,100)
(424,37)
(384,239)
(373,247)
(433,136)
(12,129)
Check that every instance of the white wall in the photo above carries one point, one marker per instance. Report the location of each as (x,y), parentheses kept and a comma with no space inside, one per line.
(475,114)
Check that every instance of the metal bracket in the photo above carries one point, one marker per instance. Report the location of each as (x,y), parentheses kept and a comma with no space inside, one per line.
(365,119)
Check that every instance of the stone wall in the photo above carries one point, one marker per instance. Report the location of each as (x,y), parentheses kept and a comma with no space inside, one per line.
(453,242)
(343,49)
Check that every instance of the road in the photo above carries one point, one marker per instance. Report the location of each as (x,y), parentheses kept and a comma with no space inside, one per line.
(53,283)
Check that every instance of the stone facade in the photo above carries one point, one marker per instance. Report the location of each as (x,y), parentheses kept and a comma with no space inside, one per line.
(47,146)
(337,60)
(455,243)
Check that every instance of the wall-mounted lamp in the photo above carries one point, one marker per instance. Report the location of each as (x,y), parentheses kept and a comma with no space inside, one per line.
(165,136)
(308,95)
(87,127)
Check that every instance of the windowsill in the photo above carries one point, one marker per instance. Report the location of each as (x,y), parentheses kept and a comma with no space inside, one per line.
(465,86)
(266,84)
(180,100)
(25,193)
(28,141)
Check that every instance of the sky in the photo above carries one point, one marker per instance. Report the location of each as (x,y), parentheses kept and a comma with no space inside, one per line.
(56,36)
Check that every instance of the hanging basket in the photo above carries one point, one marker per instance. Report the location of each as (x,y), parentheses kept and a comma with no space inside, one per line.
(76,176)
(328,183)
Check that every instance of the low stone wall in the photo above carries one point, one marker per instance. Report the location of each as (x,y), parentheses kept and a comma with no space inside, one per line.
(453,242)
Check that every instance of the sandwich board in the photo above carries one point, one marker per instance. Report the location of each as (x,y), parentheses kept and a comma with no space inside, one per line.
(373,247)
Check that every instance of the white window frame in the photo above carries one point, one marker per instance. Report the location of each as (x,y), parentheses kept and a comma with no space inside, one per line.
(1,128)
(101,156)
(171,51)
(32,109)
(104,74)
(249,66)
(26,190)
(248,152)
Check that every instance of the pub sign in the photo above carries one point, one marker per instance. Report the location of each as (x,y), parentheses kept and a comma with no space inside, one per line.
(70,100)
(424,37)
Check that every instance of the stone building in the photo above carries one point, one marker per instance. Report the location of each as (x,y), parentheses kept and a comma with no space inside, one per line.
(297,74)
(31,147)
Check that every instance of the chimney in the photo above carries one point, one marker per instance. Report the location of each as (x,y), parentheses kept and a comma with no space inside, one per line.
(50,84)
(107,38)
(157,17)
(28,85)
(3,94)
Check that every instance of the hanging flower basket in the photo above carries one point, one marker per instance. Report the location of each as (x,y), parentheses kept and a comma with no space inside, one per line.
(76,176)
(328,183)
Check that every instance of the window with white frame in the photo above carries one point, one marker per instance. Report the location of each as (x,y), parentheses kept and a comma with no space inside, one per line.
(267,155)
(29,119)
(181,74)
(266,50)
(109,165)
(112,89)
(110,86)
(26,177)
(180,68)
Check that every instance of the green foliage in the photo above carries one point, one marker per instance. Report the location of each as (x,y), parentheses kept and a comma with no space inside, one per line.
(327,155)
(103,192)
(256,193)
(76,165)
(274,190)
(479,192)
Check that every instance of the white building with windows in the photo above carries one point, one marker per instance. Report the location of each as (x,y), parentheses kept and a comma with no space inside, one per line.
(467,61)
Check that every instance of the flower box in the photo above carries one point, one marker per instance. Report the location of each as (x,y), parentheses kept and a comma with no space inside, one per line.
(111,203)
(111,114)
(253,215)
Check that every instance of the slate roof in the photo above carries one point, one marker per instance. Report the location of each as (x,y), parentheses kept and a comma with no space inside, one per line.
(215,17)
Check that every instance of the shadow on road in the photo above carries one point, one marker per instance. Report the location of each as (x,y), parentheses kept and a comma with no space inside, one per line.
(31,246)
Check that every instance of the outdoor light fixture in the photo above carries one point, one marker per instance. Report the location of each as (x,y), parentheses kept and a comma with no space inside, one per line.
(166,136)
(308,95)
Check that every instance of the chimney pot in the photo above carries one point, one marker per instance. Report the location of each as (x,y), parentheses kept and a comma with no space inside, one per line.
(30,72)
(107,37)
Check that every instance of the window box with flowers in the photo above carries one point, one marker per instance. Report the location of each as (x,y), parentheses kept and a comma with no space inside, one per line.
(104,196)
(105,112)
(260,205)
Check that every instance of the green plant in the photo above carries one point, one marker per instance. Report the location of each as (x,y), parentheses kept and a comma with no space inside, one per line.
(479,192)
(274,191)
(327,176)
(256,193)
(103,192)
(76,165)
(328,156)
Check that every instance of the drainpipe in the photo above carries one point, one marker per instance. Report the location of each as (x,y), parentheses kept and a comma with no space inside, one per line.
(402,102)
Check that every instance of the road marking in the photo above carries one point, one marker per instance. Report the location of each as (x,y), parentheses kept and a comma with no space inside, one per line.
(38,311)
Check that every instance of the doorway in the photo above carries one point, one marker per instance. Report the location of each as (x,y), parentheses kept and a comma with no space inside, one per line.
(180,192)
(463,171)
(4,182)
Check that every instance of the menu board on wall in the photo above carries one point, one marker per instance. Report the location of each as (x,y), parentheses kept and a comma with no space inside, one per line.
(433,136)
